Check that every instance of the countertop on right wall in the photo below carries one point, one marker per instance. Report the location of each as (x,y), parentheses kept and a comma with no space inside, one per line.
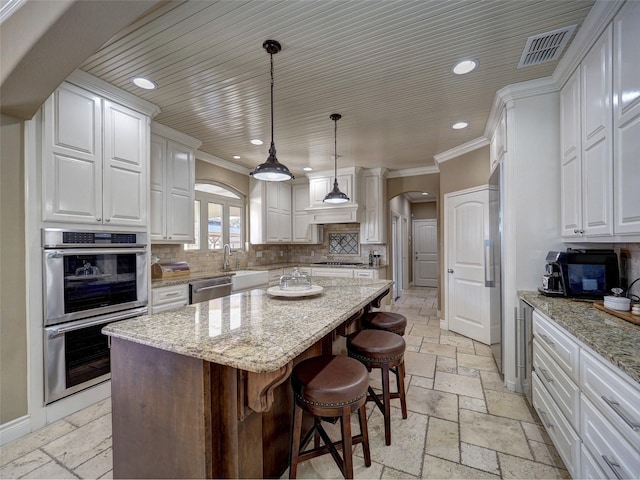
(615,339)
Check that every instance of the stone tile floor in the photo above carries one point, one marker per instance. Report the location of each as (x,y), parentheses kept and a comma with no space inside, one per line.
(462,422)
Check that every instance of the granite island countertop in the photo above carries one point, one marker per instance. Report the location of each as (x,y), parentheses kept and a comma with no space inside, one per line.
(252,330)
(617,340)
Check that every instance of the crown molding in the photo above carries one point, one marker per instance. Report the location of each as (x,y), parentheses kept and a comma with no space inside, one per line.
(212,159)
(83,79)
(461,150)
(410,172)
(516,91)
(596,21)
(175,135)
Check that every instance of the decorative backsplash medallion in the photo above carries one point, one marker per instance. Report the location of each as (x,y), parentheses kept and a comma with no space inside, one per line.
(344,244)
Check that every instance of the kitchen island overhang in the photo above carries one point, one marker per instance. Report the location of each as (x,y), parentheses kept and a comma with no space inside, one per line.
(202,391)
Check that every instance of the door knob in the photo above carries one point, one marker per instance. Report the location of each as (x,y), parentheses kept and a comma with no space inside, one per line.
(450,270)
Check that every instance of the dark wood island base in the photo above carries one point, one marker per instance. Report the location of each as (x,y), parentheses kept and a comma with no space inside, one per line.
(179,416)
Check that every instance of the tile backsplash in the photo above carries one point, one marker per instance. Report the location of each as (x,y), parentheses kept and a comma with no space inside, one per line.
(629,255)
(201,262)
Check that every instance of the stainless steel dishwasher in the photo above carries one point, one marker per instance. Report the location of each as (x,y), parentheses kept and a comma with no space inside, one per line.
(209,288)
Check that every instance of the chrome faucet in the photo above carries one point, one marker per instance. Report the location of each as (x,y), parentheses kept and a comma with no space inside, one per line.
(226,253)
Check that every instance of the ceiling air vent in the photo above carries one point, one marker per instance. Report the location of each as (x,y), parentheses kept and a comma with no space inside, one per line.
(545,46)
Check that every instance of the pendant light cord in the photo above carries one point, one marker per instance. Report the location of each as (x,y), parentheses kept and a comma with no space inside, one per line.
(335,151)
(272,148)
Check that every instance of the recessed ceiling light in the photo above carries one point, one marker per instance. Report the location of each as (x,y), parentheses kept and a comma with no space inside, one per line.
(465,66)
(144,83)
(307,169)
(459,125)
(255,141)
(236,157)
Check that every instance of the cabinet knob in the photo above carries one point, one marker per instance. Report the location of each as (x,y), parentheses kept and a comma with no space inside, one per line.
(450,270)
(575,230)
(108,220)
(98,219)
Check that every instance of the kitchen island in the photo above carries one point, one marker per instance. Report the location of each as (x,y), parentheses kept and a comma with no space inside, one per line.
(202,391)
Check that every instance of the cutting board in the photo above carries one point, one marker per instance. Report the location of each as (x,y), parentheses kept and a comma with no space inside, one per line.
(635,319)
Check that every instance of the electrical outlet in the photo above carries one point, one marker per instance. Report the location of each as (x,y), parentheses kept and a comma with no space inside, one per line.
(259,254)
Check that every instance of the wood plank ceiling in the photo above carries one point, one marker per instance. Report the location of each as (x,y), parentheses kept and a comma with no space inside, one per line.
(384,65)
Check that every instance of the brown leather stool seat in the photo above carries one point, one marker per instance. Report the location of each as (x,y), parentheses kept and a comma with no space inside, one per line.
(329,387)
(383,350)
(388,321)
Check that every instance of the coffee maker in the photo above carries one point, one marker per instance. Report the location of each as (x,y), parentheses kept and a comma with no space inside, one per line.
(552,280)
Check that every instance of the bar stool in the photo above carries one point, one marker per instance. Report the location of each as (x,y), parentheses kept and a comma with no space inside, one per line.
(329,387)
(388,321)
(383,350)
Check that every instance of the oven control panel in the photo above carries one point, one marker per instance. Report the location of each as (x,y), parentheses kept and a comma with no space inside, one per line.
(57,238)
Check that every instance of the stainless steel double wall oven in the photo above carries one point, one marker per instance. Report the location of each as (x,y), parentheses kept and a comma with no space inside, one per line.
(90,279)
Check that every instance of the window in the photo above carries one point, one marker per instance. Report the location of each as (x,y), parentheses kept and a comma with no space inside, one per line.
(218,218)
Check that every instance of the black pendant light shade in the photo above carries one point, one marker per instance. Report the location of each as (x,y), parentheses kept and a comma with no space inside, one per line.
(335,195)
(271,170)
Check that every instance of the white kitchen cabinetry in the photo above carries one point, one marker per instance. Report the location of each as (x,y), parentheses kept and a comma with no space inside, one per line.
(270,212)
(332,272)
(302,230)
(94,160)
(373,228)
(321,183)
(590,409)
(172,173)
(498,145)
(571,160)
(587,154)
(626,120)
(600,174)
(169,297)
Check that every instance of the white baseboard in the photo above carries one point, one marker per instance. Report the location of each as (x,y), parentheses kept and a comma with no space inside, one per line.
(15,429)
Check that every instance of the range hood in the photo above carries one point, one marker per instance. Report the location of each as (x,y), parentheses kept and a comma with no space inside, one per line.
(322,215)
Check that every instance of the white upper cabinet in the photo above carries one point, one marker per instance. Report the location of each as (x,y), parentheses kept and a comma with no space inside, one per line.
(172,185)
(302,230)
(270,212)
(321,183)
(597,146)
(626,119)
(571,161)
(601,174)
(94,160)
(373,228)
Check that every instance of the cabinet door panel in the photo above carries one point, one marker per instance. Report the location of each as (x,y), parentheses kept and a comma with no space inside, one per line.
(125,165)
(158,180)
(571,195)
(597,192)
(72,156)
(626,118)
(180,217)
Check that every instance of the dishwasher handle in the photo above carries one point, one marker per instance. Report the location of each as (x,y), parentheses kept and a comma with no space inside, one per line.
(210,287)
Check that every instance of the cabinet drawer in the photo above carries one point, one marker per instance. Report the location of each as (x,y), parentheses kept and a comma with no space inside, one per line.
(615,455)
(363,274)
(332,272)
(564,437)
(616,397)
(166,298)
(589,468)
(564,351)
(562,389)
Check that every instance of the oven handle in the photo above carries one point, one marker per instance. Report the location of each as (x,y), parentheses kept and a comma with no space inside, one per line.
(56,331)
(57,253)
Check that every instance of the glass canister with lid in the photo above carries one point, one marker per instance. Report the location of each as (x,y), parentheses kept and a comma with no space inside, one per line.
(295,281)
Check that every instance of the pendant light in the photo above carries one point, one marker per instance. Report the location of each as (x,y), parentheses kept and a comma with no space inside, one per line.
(271,170)
(335,195)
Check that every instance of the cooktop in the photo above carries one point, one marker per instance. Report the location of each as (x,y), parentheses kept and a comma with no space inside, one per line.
(339,263)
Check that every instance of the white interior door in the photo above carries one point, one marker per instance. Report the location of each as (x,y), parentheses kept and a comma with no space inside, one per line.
(425,247)
(466,228)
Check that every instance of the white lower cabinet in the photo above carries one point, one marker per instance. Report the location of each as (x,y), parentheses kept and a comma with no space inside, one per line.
(564,437)
(589,468)
(590,409)
(616,457)
(332,272)
(169,297)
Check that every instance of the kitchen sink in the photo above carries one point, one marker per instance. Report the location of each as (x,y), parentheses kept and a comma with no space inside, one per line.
(247,279)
